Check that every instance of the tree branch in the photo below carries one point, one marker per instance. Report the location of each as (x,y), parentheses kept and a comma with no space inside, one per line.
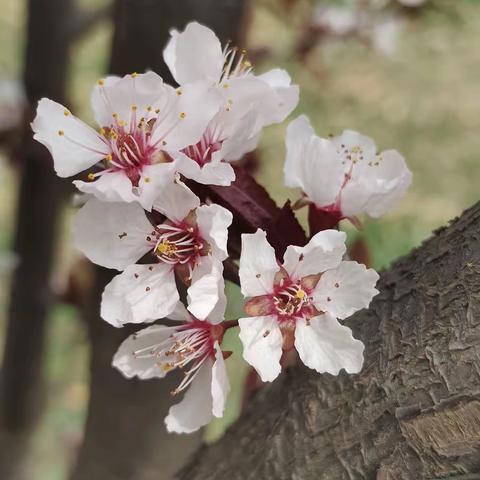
(414,410)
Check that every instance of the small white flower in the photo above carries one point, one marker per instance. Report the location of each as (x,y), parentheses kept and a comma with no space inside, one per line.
(142,121)
(344,175)
(248,102)
(190,242)
(193,345)
(298,303)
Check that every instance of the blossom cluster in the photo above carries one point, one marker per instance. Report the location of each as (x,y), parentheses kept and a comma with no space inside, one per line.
(169,206)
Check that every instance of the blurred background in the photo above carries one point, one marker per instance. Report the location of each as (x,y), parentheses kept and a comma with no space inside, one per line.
(405,72)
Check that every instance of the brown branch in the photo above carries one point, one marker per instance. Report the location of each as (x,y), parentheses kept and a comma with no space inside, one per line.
(414,410)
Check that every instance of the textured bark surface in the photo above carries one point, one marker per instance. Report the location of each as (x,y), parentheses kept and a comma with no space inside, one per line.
(414,410)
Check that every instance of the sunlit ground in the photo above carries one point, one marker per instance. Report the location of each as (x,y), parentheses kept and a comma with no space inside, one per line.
(424,101)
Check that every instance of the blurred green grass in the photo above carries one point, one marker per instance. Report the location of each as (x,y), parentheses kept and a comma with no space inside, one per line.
(425,102)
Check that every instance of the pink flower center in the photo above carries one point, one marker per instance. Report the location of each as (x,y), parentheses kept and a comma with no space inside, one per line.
(130,148)
(189,345)
(202,151)
(177,244)
(290,301)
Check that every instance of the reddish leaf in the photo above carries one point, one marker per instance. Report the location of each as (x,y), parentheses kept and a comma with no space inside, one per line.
(253,208)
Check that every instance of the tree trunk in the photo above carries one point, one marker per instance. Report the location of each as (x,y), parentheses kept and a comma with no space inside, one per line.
(414,410)
(38,205)
(125,436)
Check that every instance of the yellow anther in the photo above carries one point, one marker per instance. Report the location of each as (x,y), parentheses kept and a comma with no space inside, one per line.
(91,176)
(101,131)
(108,158)
(356,149)
(149,108)
(134,74)
(122,123)
(115,115)
(134,108)
(166,248)
(101,82)
(183,115)
(157,110)
(179,92)
(247,64)
(61,133)
(225,85)
(300,294)
(146,179)
(66,112)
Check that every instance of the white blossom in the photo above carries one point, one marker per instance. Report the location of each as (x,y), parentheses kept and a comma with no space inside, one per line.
(142,123)
(298,303)
(248,102)
(190,243)
(344,174)
(194,347)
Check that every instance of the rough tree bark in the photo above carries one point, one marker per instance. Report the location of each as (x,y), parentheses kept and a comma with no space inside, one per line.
(414,410)
(125,436)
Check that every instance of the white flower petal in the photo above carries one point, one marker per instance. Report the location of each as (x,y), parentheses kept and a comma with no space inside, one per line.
(299,133)
(194,54)
(112,235)
(154,179)
(389,182)
(312,163)
(283,98)
(186,114)
(118,95)
(350,139)
(220,383)
(244,96)
(348,288)
(324,251)
(206,294)
(213,222)
(258,264)
(142,366)
(142,293)
(73,145)
(175,200)
(109,187)
(262,345)
(243,138)
(195,409)
(327,346)
(180,313)
(212,173)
